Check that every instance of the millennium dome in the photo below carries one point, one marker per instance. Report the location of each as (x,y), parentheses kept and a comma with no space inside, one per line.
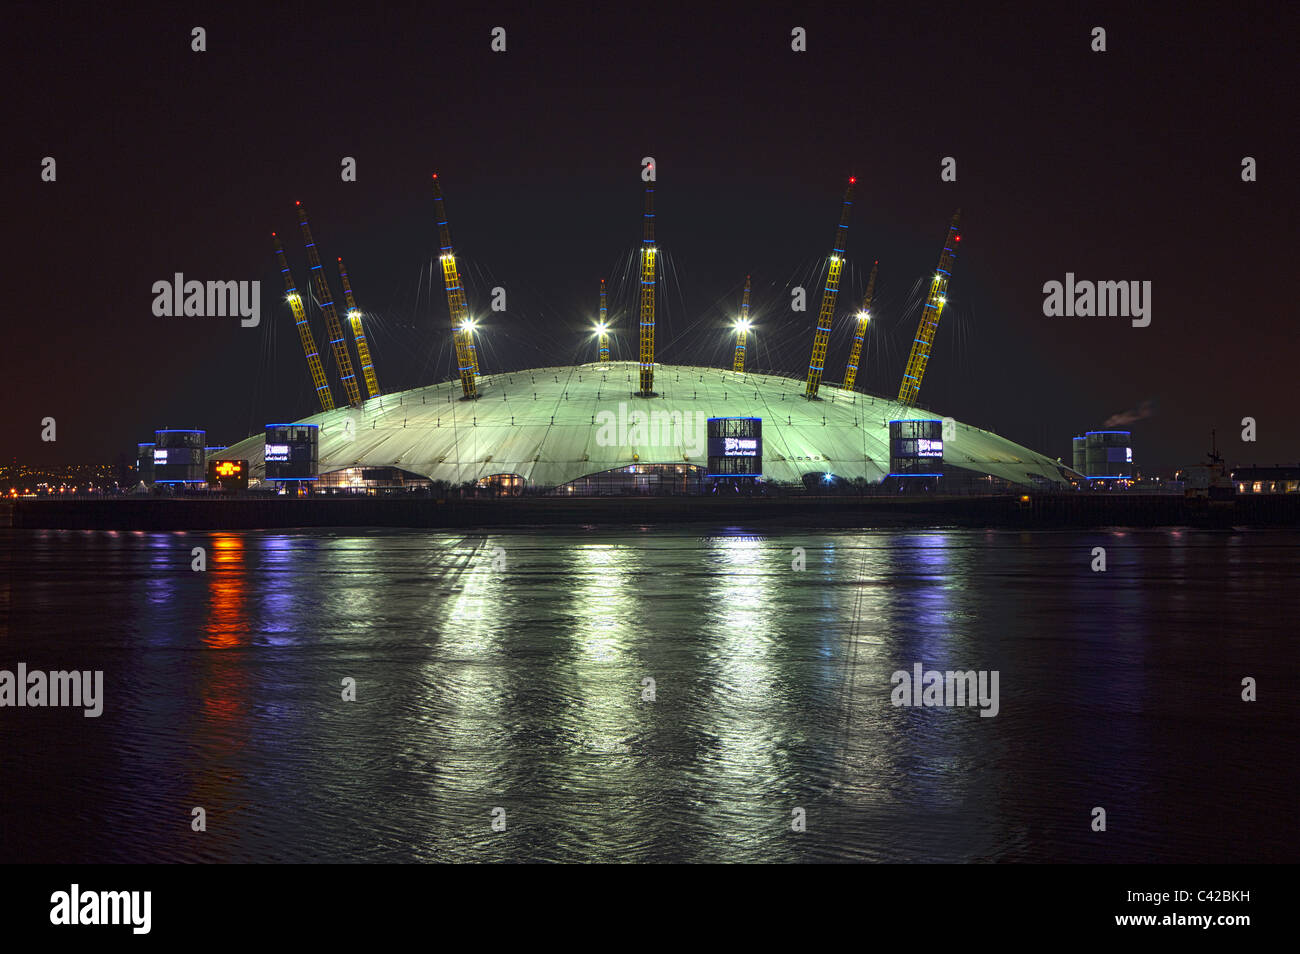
(546,428)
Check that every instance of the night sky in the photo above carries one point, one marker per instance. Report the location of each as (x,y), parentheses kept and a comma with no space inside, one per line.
(1123,165)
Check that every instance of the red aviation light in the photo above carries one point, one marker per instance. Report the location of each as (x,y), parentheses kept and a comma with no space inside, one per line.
(956,238)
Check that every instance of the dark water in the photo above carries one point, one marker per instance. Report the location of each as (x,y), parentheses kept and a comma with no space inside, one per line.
(480,687)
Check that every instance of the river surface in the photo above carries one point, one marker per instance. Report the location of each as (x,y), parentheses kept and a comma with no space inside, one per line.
(504,710)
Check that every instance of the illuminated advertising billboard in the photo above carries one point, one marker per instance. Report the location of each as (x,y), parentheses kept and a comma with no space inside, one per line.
(1108,454)
(291,451)
(178,456)
(228,474)
(916,448)
(735,447)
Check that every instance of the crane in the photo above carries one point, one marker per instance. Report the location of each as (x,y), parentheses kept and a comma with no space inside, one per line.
(823,333)
(647,336)
(326,301)
(742,329)
(304,331)
(602,327)
(363,347)
(930,314)
(855,353)
(461,329)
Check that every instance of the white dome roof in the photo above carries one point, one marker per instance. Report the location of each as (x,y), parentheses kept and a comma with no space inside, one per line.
(554,425)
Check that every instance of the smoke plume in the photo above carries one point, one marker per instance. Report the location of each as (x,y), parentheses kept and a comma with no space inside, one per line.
(1143,410)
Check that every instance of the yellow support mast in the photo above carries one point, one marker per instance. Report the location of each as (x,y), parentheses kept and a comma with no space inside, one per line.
(647,336)
(742,329)
(462,333)
(602,328)
(930,314)
(304,331)
(359,336)
(864,316)
(325,298)
(823,334)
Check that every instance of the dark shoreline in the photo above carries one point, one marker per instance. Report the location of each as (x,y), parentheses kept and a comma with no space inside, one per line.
(1077,510)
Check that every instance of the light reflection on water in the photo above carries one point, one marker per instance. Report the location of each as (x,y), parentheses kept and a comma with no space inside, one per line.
(522,687)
